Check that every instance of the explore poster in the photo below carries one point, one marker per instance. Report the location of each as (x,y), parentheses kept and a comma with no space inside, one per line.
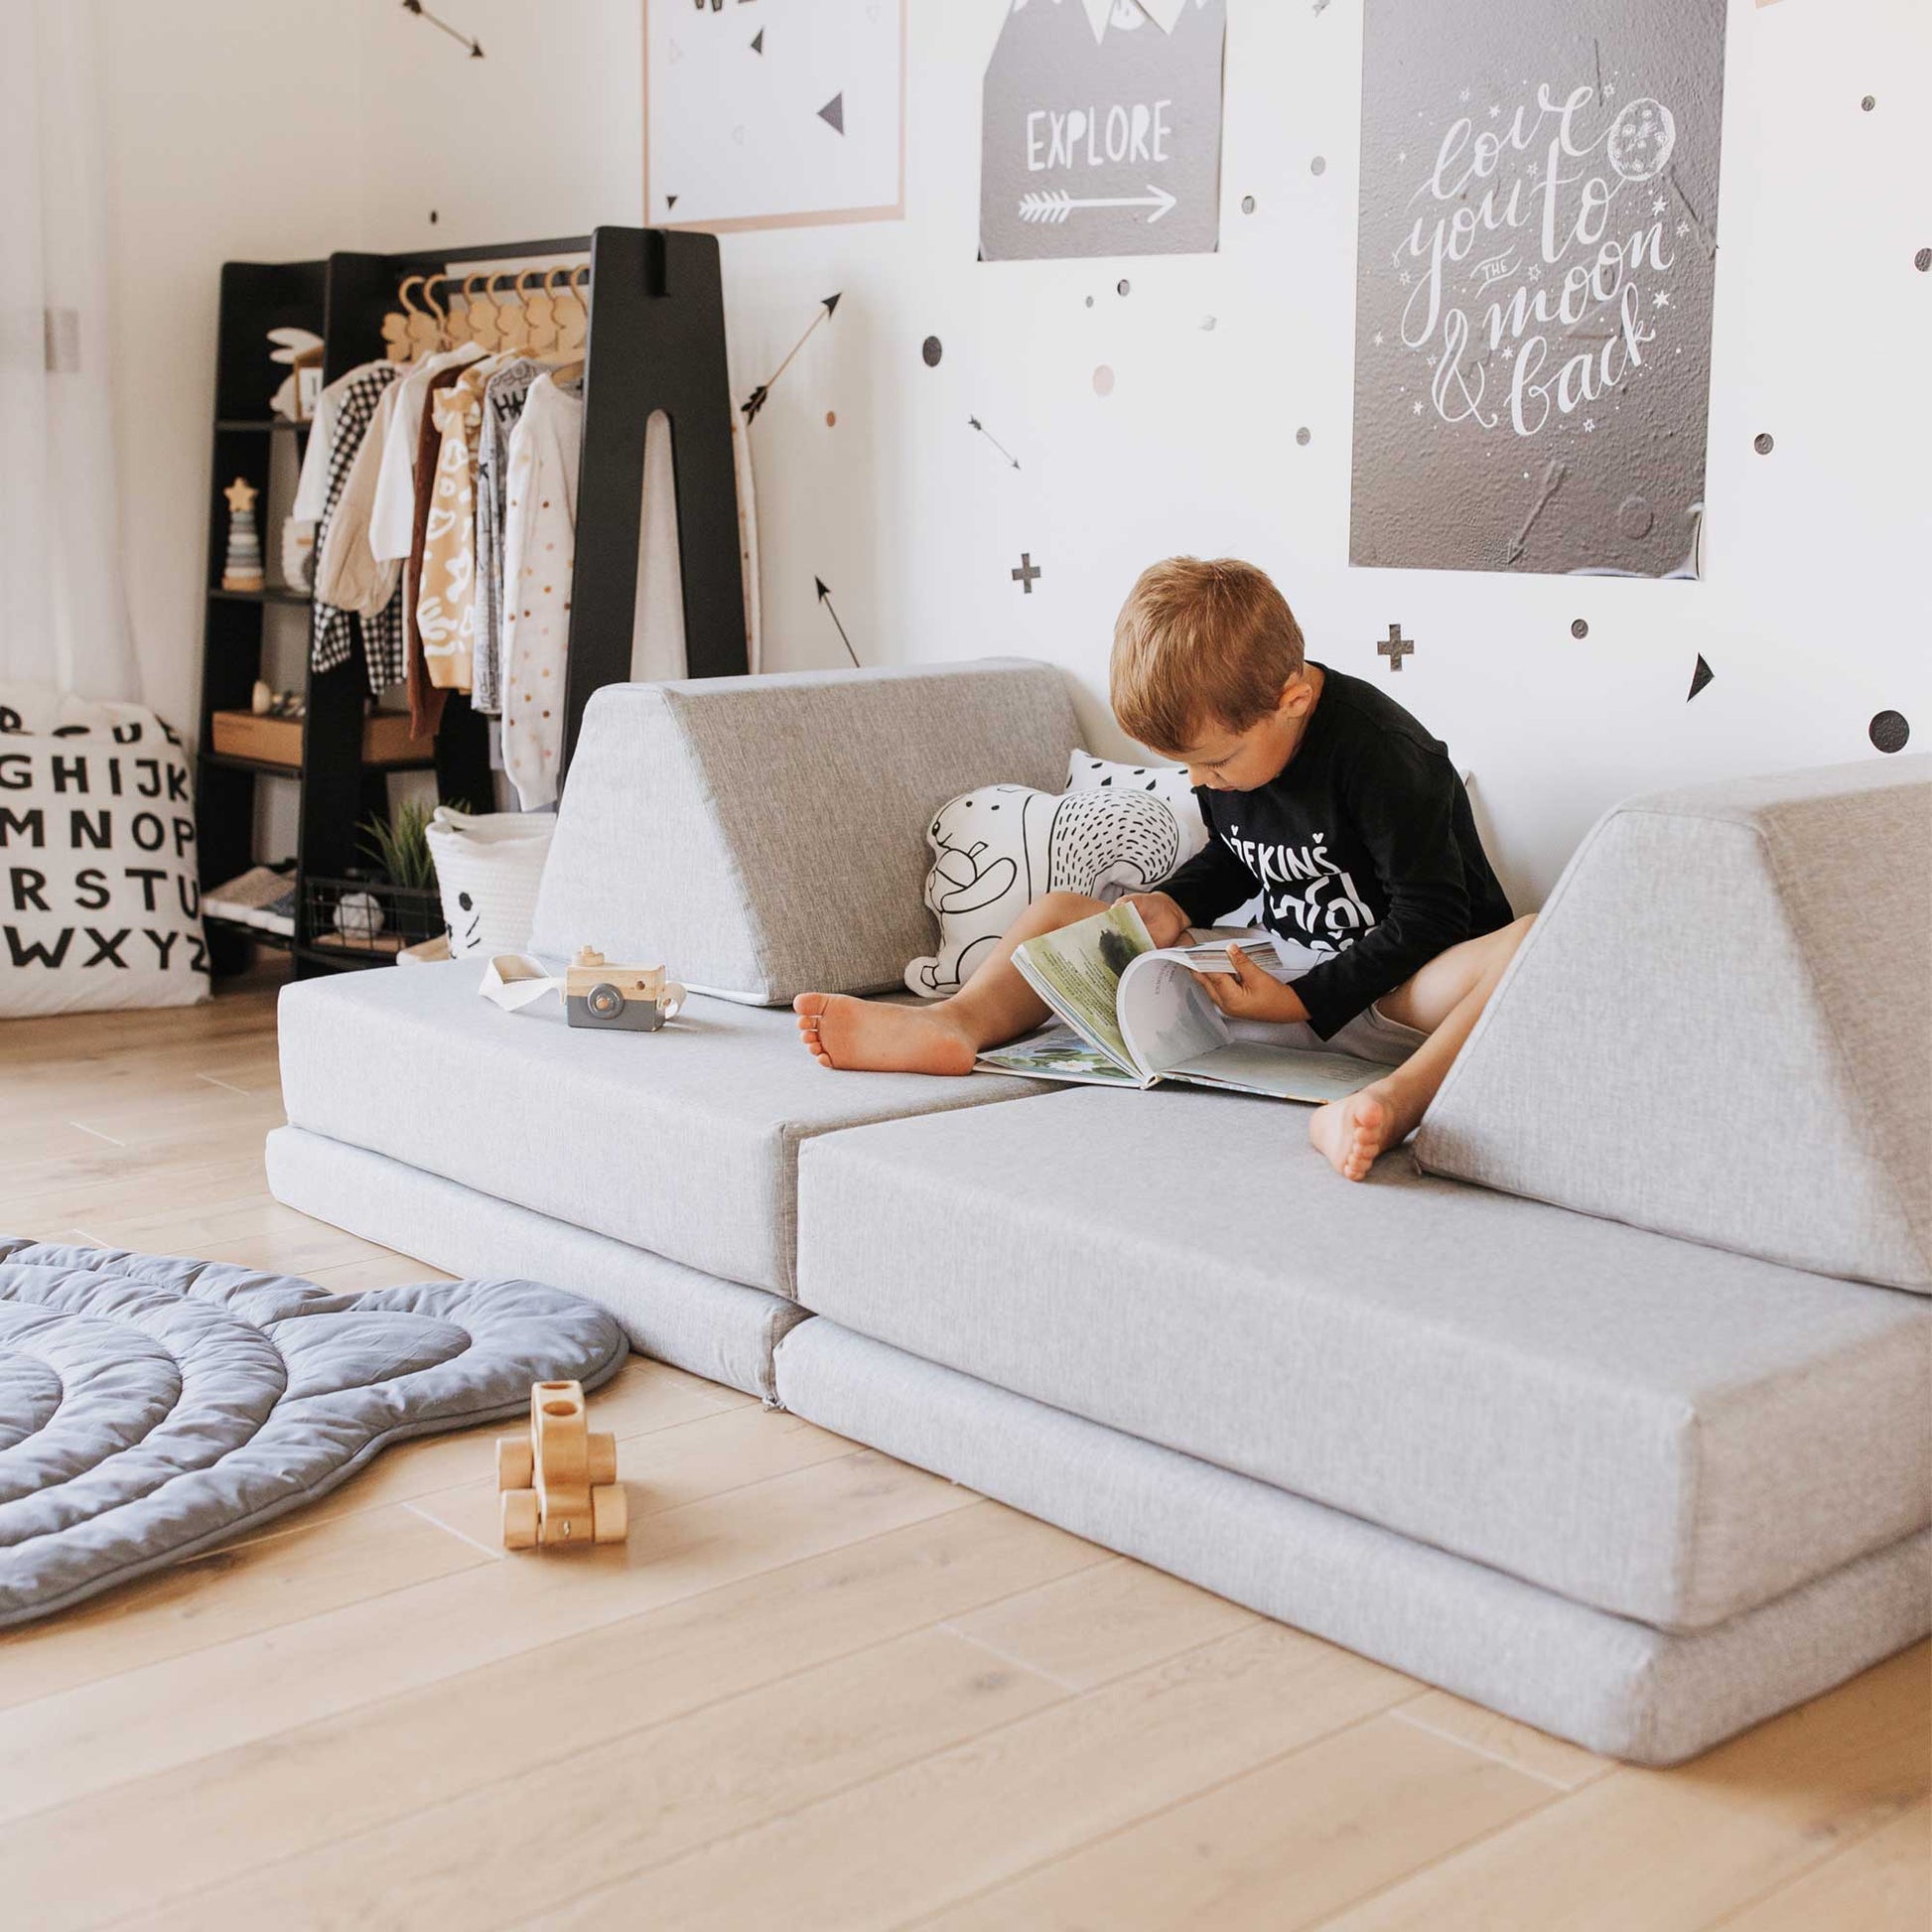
(1100,130)
(1537,248)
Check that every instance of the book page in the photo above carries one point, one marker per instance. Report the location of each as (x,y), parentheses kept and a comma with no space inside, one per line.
(1166,1015)
(1060,1053)
(1077,972)
(1279,1072)
(1210,954)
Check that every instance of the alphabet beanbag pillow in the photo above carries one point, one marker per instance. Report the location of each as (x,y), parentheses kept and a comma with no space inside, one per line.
(100,902)
(1116,829)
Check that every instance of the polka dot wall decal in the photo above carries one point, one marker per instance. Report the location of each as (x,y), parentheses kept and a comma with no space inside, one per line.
(1868,102)
(1247,205)
(1762,443)
(1207,321)
(1922,260)
(1302,436)
(1103,380)
(1122,286)
(831,418)
(1318,166)
(931,349)
(1578,629)
(1634,517)
(1889,731)
(1089,302)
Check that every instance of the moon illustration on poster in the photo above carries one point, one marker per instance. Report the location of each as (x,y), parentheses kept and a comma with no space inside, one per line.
(1640,140)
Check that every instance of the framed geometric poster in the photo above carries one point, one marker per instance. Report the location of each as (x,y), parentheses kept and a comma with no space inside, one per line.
(1537,248)
(773,113)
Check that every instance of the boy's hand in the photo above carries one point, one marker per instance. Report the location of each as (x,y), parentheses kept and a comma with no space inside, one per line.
(1251,994)
(1165,923)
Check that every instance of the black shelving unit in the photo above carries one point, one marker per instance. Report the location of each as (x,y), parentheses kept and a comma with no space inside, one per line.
(655,341)
(255,298)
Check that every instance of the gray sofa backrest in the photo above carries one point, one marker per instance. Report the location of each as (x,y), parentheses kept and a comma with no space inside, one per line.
(1720,1026)
(765,836)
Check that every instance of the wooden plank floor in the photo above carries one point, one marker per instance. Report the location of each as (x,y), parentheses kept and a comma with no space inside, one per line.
(818,1689)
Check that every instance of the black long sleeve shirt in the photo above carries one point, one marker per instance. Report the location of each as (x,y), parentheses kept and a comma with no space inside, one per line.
(1363,849)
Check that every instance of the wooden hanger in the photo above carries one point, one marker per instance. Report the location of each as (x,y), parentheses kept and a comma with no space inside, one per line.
(479,316)
(573,319)
(439,309)
(512,327)
(538,314)
(412,332)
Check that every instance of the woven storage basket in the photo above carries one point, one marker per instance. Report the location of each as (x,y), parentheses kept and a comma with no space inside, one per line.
(487,864)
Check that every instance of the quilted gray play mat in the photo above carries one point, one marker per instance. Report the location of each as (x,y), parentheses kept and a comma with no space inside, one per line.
(151,1405)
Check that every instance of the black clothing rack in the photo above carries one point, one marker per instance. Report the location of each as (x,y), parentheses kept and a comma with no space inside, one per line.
(655,340)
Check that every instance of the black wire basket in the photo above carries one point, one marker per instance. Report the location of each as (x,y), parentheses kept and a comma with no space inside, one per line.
(369,918)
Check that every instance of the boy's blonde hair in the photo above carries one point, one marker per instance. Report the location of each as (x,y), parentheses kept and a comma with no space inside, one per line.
(1200,644)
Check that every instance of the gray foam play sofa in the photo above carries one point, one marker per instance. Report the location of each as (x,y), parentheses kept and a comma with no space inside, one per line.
(1617,1419)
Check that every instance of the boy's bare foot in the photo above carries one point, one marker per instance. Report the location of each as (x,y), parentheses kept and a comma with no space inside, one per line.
(840,1030)
(1353,1131)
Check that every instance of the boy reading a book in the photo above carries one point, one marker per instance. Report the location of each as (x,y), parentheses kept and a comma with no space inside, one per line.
(1322,795)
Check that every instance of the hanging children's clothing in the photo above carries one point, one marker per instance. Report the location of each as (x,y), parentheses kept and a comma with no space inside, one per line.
(335,627)
(446,604)
(393,515)
(502,405)
(426,699)
(539,556)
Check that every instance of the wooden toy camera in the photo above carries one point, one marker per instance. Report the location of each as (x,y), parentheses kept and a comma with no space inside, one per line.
(631,998)
(559,1481)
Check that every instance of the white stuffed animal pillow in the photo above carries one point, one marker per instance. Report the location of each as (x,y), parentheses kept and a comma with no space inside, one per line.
(1117,828)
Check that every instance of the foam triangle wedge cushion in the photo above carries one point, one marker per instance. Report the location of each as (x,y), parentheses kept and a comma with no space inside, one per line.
(1719,1028)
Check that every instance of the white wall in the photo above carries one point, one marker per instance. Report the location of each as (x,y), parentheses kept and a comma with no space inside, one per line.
(1815,609)
(278,130)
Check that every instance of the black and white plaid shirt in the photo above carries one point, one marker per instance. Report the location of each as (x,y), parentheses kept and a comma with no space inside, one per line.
(330,638)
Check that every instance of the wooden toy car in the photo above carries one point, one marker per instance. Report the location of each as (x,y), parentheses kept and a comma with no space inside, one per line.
(559,1481)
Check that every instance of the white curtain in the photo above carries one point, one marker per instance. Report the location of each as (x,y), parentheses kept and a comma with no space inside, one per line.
(63,612)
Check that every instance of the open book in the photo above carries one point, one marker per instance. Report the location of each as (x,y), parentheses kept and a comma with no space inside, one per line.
(1133,1014)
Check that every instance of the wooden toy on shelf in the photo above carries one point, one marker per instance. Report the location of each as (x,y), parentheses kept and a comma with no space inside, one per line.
(559,1481)
(244,568)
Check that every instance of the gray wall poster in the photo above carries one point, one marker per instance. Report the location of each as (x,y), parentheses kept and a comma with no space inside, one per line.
(1100,130)
(1537,244)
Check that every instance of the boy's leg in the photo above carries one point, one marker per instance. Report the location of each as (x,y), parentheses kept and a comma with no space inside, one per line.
(1444,999)
(995,1005)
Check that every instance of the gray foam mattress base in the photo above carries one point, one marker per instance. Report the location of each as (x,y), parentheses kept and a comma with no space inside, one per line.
(1608,1683)
(723,1330)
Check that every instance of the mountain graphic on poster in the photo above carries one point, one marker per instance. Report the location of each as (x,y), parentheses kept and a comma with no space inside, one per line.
(1100,130)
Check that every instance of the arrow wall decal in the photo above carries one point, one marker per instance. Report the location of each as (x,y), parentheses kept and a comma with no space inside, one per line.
(975,422)
(825,597)
(756,400)
(1051,206)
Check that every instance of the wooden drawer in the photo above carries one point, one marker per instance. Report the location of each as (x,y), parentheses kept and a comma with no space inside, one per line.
(278,740)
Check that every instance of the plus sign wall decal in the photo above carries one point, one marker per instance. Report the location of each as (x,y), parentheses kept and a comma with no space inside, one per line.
(1027,572)
(1395,646)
